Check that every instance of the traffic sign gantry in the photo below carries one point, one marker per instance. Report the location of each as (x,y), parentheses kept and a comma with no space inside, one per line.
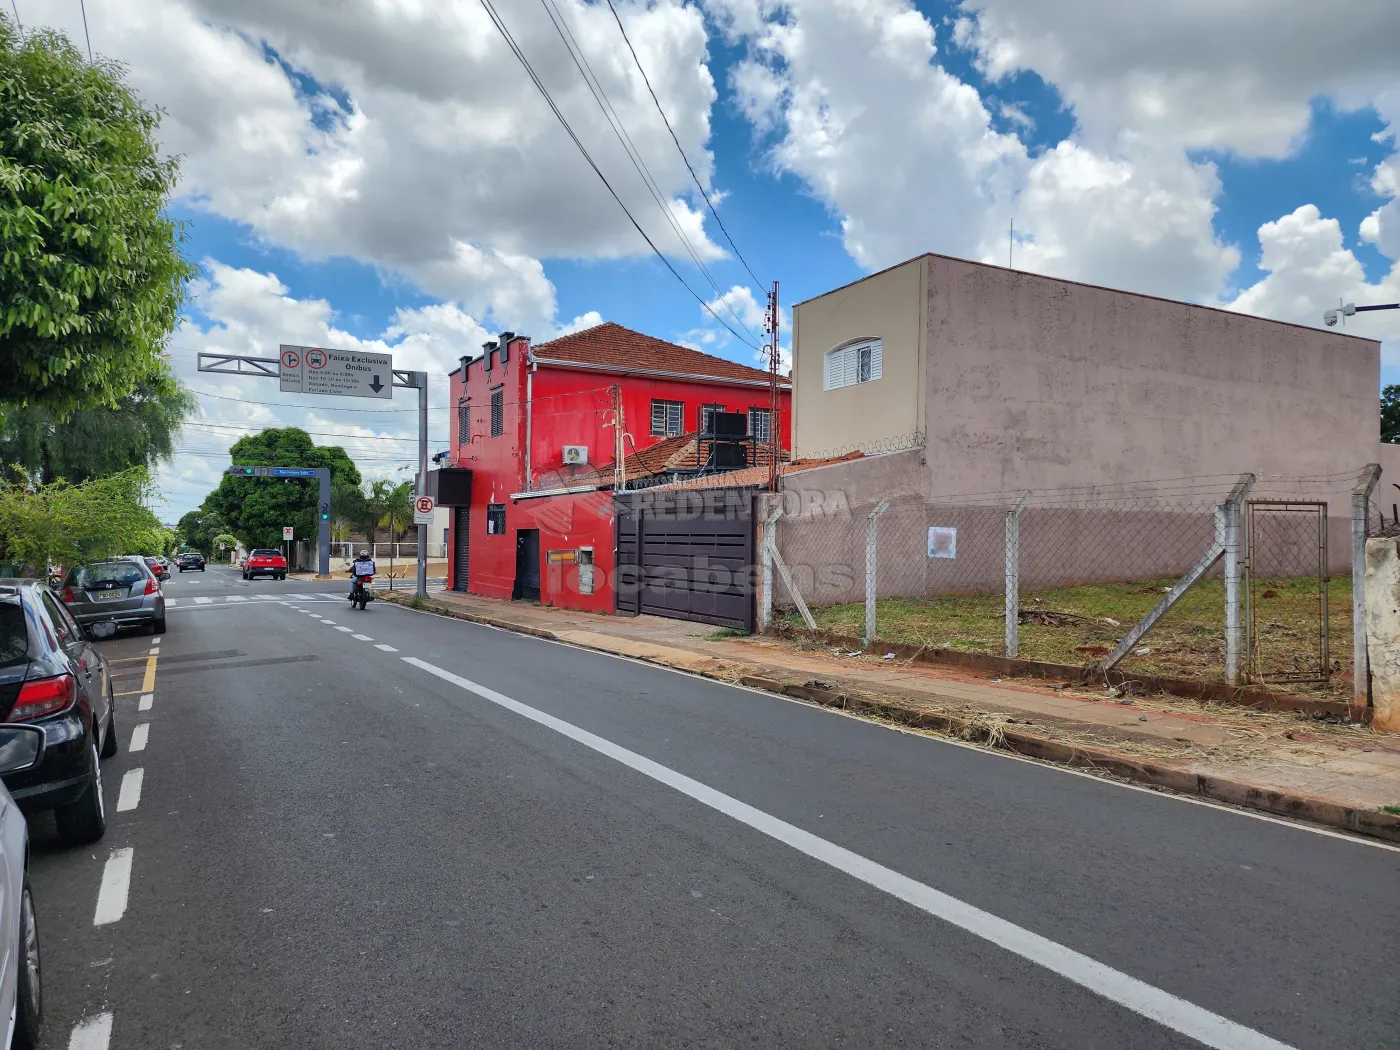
(351,373)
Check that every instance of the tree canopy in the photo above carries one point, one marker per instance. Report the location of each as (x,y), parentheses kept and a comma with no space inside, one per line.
(91,274)
(65,524)
(198,530)
(1390,414)
(139,431)
(256,509)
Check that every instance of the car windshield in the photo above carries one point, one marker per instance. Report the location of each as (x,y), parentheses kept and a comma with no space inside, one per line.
(14,636)
(108,573)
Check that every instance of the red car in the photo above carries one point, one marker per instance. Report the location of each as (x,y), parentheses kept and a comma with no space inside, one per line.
(265,563)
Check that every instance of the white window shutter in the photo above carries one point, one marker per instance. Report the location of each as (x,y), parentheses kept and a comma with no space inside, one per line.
(850,366)
(831,378)
(876,359)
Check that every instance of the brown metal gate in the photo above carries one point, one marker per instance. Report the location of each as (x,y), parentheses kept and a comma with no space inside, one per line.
(1286,583)
(687,554)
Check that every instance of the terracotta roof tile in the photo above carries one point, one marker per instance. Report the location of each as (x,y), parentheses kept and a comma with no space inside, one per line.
(612,346)
(674,453)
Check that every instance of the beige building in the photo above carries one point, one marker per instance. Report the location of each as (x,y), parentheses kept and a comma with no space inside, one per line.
(1010,380)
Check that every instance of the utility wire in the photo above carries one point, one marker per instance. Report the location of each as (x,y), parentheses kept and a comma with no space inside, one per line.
(610,114)
(15,9)
(82,6)
(647,80)
(534,77)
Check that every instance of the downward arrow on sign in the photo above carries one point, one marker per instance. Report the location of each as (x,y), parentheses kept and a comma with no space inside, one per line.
(376,386)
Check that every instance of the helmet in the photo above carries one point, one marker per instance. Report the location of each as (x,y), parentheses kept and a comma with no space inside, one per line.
(364,554)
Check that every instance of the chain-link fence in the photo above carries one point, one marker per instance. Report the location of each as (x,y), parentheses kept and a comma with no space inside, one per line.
(1231,577)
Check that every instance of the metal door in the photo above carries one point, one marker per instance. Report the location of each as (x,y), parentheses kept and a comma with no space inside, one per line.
(461,550)
(527,565)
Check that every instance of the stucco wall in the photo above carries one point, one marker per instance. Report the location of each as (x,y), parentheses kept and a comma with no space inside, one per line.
(1039,383)
(884,306)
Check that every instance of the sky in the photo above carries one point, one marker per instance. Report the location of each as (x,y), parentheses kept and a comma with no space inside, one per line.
(385,175)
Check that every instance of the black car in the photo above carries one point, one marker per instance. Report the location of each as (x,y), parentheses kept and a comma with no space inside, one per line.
(52,677)
(192,560)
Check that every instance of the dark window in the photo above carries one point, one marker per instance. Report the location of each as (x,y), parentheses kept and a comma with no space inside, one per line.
(495,519)
(498,412)
(707,415)
(464,424)
(14,636)
(758,424)
(667,418)
(62,623)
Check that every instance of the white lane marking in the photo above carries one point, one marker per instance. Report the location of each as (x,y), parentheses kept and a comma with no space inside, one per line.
(324,620)
(92,1033)
(236,598)
(337,597)
(347,630)
(1151,1002)
(116,884)
(130,796)
(147,699)
(204,601)
(138,737)
(172,601)
(386,648)
(362,638)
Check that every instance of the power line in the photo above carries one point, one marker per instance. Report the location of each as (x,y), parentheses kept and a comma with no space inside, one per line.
(82,5)
(15,9)
(677,141)
(610,114)
(323,408)
(520,55)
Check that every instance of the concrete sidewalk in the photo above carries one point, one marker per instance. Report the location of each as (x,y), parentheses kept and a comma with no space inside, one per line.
(1279,761)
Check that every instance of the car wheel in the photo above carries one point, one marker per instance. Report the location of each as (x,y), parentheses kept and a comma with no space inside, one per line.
(85,820)
(109,745)
(29,996)
(158,626)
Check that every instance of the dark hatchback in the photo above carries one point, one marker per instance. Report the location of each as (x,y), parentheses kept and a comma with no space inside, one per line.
(52,677)
(190,560)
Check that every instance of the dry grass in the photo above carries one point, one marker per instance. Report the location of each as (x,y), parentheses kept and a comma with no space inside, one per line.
(1079,625)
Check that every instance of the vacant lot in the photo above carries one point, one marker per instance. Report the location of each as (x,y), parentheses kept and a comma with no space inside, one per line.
(1080,625)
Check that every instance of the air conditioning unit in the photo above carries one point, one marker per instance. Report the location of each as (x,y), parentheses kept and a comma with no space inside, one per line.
(575,455)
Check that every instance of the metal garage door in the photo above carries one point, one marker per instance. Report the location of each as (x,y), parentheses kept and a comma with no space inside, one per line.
(462,548)
(687,554)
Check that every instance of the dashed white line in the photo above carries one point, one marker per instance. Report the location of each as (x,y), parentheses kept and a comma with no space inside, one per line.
(116,885)
(347,630)
(147,699)
(138,737)
(204,601)
(130,796)
(172,601)
(92,1033)
(324,620)
(235,598)
(362,638)
(386,648)
(1209,1028)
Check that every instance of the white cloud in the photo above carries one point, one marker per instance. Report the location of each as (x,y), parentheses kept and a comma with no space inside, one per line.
(427,152)
(740,304)
(1239,75)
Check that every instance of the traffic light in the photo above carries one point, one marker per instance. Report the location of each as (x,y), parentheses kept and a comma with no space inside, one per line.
(325,512)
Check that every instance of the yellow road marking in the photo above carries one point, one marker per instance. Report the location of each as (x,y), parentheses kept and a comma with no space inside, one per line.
(149,683)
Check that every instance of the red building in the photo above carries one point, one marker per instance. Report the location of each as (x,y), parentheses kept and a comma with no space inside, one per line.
(535,425)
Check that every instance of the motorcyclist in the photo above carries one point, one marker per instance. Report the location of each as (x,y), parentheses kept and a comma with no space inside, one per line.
(364,566)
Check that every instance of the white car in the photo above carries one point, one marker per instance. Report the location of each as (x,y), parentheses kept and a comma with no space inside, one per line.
(21,989)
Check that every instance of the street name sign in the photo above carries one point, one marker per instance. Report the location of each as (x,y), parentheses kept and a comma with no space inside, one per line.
(350,373)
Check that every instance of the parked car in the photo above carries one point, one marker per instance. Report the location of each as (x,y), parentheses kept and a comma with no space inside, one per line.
(53,677)
(265,563)
(123,590)
(161,572)
(21,985)
(190,560)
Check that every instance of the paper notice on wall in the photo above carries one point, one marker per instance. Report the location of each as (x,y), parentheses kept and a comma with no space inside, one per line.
(942,541)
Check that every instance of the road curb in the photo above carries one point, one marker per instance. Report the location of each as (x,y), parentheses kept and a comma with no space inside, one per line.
(1246,795)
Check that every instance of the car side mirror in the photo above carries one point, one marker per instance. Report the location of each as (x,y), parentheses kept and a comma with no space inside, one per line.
(21,747)
(101,629)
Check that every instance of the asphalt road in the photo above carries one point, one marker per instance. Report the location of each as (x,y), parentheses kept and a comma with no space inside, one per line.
(397,830)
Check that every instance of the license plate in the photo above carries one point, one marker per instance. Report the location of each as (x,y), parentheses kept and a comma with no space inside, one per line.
(109,596)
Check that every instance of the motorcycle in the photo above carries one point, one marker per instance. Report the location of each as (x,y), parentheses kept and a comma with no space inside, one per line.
(362,594)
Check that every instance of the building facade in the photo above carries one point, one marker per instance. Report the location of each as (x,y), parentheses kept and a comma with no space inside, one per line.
(533,425)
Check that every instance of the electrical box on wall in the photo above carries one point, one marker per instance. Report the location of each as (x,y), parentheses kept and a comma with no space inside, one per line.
(575,455)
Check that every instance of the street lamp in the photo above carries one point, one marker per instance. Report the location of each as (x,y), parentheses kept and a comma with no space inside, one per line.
(1331,317)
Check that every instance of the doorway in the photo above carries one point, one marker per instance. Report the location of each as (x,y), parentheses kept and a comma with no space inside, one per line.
(527,565)
(461,560)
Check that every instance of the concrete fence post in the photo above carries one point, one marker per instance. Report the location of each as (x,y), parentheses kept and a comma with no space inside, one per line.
(770,525)
(871,567)
(1013,574)
(1235,554)
(1360,518)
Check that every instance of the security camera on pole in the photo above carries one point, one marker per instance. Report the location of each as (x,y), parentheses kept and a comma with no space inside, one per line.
(1345,310)
(347,373)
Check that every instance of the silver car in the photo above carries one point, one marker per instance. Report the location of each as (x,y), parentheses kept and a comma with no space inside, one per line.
(21,989)
(123,591)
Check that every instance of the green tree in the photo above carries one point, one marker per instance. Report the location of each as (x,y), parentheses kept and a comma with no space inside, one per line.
(256,509)
(198,528)
(138,431)
(400,516)
(347,507)
(223,543)
(1390,414)
(65,524)
(374,514)
(91,275)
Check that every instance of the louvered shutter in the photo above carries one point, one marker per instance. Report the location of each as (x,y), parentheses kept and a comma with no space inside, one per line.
(877,354)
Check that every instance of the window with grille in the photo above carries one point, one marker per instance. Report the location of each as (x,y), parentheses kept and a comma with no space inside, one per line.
(498,412)
(861,362)
(707,416)
(667,418)
(758,424)
(495,519)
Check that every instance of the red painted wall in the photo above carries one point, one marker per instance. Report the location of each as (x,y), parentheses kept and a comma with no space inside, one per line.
(570,407)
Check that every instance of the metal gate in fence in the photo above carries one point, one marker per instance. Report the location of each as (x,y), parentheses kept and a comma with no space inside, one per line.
(1286,583)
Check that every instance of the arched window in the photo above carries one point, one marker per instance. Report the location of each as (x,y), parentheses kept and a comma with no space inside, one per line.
(859,361)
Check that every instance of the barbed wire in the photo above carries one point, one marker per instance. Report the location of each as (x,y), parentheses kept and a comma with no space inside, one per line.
(881,446)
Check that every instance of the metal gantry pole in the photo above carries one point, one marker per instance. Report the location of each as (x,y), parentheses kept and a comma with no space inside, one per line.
(421,380)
